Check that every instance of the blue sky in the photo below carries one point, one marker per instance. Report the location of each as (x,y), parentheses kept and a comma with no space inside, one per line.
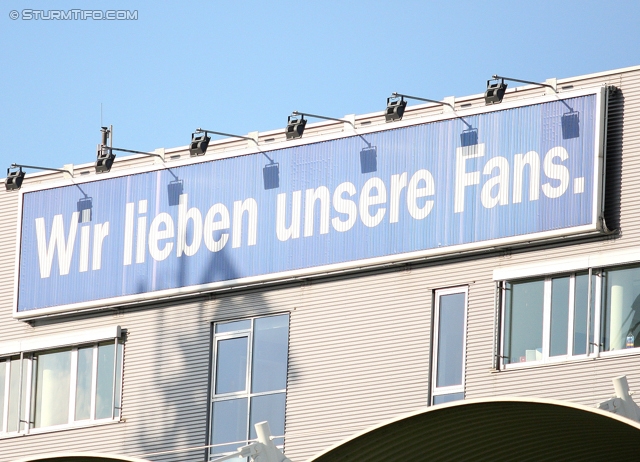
(240,66)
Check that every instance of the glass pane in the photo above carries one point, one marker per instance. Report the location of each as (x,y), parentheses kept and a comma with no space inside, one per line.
(104,389)
(621,317)
(595,279)
(14,393)
(270,347)
(450,340)
(271,409)
(118,403)
(523,321)
(559,316)
(231,365)
(440,399)
(233,326)
(83,386)
(52,385)
(581,314)
(229,425)
(3,377)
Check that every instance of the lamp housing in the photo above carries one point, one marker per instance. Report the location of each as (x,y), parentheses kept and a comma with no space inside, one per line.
(104,159)
(14,179)
(395,109)
(199,144)
(495,92)
(295,127)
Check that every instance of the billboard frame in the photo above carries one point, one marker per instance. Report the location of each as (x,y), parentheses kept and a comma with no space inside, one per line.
(595,226)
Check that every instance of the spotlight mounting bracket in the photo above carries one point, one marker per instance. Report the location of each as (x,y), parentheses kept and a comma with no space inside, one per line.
(206,132)
(500,77)
(316,116)
(442,103)
(21,166)
(14,179)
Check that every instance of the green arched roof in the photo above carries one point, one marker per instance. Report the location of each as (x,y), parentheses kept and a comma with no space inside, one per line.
(80,457)
(495,429)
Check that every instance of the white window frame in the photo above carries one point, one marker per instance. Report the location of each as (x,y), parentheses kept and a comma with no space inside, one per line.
(246,393)
(546,320)
(596,261)
(26,348)
(435,390)
(570,268)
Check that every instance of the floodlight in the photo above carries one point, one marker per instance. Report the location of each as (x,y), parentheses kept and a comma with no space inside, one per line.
(271,171)
(495,92)
(14,179)
(395,109)
(199,144)
(295,126)
(104,159)
(105,155)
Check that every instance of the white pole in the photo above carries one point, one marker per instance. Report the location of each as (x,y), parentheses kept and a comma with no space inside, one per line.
(264,436)
(629,407)
(616,335)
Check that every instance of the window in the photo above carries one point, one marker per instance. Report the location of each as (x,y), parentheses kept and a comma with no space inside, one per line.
(64,386)
(571,316)
(621,314)
(548,319)
(249,381)
(449,345)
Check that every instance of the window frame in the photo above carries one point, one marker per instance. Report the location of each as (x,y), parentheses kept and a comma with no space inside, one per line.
(603,312)
(593,311)
(247,392)
(597,310)
(447,390)
(29,348)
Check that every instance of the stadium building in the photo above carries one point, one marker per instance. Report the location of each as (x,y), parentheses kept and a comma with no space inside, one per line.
(444,280)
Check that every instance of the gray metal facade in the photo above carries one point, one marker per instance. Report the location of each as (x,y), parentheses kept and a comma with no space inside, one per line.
(360,342)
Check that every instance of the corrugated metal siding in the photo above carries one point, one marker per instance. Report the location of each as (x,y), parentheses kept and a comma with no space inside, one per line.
(585,381)
(359,345)
(359,351)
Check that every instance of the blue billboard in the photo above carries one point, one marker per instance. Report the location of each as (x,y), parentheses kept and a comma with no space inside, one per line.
(402,192)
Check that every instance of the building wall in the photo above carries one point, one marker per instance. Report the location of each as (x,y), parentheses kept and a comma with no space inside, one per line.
(359,343)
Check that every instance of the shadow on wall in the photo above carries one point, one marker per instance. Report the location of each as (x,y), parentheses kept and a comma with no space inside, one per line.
(166,394)
(613,177)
